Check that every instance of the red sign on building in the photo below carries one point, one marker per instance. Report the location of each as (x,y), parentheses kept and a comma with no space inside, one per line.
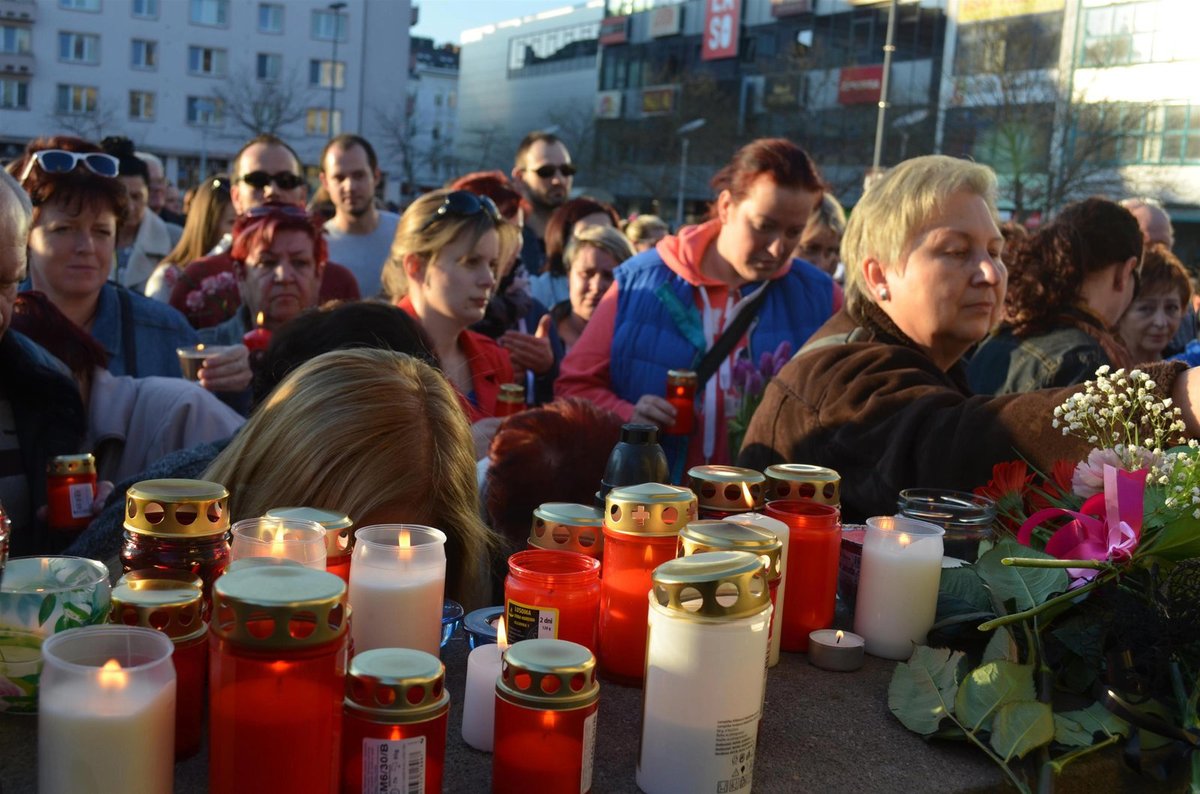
(858,85)
(722,19)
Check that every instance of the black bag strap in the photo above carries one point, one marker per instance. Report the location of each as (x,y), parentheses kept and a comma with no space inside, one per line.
(723,345)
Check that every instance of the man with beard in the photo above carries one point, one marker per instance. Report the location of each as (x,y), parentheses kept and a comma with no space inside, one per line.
(359,235)
(542,171)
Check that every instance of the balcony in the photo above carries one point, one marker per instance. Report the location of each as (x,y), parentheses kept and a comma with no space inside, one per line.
(13,64)
(18,11)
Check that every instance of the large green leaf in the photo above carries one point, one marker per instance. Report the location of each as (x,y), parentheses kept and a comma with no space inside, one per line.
(1021,727)
(47,608)
(988,687)
(1021,587)
(921,693)
(1081,728)
(1179,540)
(963,585)
(1001,646)
(1070,733)
(1083,635)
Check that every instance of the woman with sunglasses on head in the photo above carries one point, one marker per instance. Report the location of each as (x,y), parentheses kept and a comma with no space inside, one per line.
(210,219)
(78,207)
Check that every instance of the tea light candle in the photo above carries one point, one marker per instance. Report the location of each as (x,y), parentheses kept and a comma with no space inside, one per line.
(479,699)
(281,538)
(397,584)
(898,585)
(835,650)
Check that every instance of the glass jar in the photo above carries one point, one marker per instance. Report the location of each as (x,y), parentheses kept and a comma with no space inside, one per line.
(552,595)
(814,546)
(339,534)
(563,526)
(70,491)
(726,490)
(898,585)
(802,481)
(397,587)
(681,393)
(510,400)
(967,518)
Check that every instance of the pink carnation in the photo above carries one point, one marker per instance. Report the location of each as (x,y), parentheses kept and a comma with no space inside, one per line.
(1088,478)
(195,300)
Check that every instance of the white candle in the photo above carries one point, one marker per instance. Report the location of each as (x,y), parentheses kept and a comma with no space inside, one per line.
(397,586)
(898,585)
(107,725)
(479,699)
(781,531)
(281,538)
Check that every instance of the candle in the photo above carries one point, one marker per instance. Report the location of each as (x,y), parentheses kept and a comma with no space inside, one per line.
(397,584)
(898,585)
(106,716)
(479,699)
(724,490)
(282,538)
(259,338)
(681,394)
(339,534)
(552,595)
(815,542)
(781,531)
(837,650)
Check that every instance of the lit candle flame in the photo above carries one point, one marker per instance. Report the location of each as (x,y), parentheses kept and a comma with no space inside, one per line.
(112,676)
(501,636)
(260,319)
(747,499)
(199,347)
(277,546)
(840,634)
(405,542)
(904,539)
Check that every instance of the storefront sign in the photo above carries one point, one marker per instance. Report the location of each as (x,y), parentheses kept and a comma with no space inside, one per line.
(781,92)
(608,105)
(722,20)
(858,85)
(786,8)
(665,21)
(658,100)
(614,30)
(982,10)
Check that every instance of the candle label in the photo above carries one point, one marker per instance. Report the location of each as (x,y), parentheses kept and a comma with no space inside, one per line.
(735,743)
(81,500)
(394,765)
(528,622)
(589,753)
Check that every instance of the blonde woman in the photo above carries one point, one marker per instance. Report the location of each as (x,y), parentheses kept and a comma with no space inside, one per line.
(590,257)
(645,231)
(821,241)
(210,219)
(372,433)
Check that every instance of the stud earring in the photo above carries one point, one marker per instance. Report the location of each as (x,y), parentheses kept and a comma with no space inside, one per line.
(884,294)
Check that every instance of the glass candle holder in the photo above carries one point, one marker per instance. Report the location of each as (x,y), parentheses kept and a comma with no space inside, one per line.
(510,400)
(726,490)
(967,518)
(552,595)
(792,481)
(283,538)
(277,666)
(339,534)
(898,585)
(546,701)
(681,393)
(814,543)
(641,526)
(192,358)
(70,491)
(563,526)
(397,584)
(482,626)
(705,678)
(394,726)
(106,721)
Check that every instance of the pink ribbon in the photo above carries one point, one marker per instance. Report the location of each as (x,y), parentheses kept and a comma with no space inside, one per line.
(1095,534)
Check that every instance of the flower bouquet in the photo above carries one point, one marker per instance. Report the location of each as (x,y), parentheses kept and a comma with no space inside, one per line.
(215,299)
(749,383)
(1091,601)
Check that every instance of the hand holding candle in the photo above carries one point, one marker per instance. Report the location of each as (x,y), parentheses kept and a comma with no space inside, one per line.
(259,338)
(479,700)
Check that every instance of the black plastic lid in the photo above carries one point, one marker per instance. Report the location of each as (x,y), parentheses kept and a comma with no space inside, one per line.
(634,433)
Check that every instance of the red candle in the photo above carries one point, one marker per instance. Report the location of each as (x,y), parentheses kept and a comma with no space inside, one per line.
(70,489)
(814,543)
(259,338)
(552,595)
(681,393)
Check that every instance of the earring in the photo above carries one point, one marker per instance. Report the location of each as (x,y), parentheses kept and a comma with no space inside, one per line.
(884,294)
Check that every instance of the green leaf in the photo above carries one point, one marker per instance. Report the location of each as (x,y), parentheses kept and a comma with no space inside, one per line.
(1021,727)
(1070,733)
(1096,721)
(964,584)
(988,687)
(1001,646)
(46,609)
(1178,540)
(1083,635)
(1023,587)
(921,693)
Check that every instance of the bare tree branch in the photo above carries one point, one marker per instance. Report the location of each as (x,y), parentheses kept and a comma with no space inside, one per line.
(91,125)
(259,106)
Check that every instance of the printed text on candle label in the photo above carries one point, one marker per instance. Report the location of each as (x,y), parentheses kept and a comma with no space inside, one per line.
(589,753)
(527,622)
(81,500)
(735,741)
(394,766)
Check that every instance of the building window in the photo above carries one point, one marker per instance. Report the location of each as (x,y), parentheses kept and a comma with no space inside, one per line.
(80,5)
(270,18)
(14,40)
(146,9)
(79,48)
(1119,35)
(73,99)
(145,54)
(14,95)
(317,122)
(326,74)
(205,111)
(141,105)
(326,26)
(268,66)
(207,61)
(1132,134)
(214,13)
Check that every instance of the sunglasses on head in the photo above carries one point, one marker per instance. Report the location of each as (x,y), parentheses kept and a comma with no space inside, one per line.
(284,180)
(60,161)
(548,170)
(464,204)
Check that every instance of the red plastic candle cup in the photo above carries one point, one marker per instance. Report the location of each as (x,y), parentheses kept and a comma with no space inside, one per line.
(552,595)
(70,491)
(814,542)
(511,399)
(681,393)
(277,668)
(396,711)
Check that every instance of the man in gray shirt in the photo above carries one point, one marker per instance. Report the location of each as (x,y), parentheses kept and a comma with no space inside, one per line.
(359,235)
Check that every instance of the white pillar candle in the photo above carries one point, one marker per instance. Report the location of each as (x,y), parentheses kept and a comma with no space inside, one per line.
(780,530)
(479,698)
(397,586)
(898,585)
(106,716)
(281,538)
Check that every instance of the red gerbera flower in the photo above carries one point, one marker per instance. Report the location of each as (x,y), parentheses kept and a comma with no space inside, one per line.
(1008,480)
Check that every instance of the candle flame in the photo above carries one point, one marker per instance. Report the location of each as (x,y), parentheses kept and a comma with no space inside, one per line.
(747,499)
(260,319)
(904,539)
(405,542)
(199,347)
(840,634)
(277,546)
(112,676)
(501,636)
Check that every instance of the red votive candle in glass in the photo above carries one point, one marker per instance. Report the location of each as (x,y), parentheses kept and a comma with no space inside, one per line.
(258,338)
(563,526)
(723,491)
(552,595)
(276,680)
(546,701)
(681,393)
(510,400)
(394,728)
(339,534)
(172,602)
(641,527)
(814,543)
(70,491)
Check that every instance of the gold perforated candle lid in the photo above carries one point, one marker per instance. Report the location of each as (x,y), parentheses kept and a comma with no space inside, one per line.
(168,601)
(339,527)
(398,685)
(66,465)
(649,509)
(554,675)
(177,508)
(701,536)
(511,393)
(563,526)
(279,607)
(681,377)
(727,487)
(802,481)
(712,586)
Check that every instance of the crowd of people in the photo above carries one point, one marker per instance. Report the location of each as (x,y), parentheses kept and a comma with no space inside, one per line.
(355,359)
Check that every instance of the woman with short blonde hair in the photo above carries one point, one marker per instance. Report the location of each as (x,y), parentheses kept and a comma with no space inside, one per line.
(591,256)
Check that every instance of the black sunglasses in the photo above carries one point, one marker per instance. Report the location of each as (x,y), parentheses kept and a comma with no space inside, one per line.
(464,204)
(60,161)
(284,180)
(548,170)
(266,210)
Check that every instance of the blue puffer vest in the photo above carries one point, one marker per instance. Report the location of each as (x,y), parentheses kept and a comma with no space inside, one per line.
(647,341)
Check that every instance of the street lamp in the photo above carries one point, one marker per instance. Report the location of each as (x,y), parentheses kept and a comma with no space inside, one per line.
(683,132)
(336,8)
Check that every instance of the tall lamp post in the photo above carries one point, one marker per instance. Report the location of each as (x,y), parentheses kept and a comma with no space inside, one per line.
(683,132)
(336,8)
